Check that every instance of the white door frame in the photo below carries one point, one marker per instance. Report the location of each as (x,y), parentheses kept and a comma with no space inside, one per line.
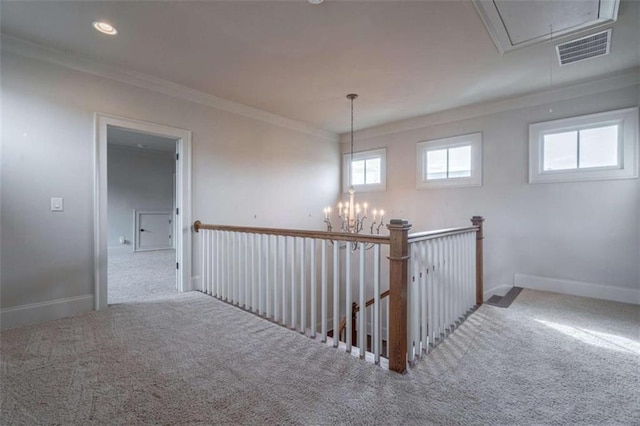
(183,198)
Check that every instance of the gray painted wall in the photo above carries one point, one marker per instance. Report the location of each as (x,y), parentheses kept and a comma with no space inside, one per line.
(583,231)
(140,180)
(244,172)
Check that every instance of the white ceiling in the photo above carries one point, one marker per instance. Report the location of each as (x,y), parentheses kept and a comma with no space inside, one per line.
(297,60)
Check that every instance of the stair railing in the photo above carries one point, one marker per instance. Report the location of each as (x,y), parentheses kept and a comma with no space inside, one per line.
(301,280)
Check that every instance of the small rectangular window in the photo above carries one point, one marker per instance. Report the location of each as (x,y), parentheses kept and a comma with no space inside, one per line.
(455,161)
(590,147)
(367,171)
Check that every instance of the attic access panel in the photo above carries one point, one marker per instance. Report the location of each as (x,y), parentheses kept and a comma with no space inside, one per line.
(516,24)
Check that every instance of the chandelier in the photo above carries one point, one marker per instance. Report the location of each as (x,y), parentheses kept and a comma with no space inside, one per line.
(353,216)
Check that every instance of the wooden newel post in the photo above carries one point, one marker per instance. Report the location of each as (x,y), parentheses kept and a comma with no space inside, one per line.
(398,261)
(477,221)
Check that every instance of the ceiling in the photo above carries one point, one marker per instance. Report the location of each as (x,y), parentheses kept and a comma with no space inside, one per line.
(131,139)
(291,58)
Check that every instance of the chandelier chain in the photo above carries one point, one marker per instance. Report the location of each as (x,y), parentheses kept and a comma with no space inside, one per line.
(350,177)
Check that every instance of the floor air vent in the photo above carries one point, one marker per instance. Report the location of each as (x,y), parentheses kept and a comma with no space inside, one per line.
(588,47)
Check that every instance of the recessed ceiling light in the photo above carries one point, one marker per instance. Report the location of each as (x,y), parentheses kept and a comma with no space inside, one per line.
(315,1)
(105,27)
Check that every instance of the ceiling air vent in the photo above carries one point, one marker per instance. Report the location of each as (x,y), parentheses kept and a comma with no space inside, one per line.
(588,47)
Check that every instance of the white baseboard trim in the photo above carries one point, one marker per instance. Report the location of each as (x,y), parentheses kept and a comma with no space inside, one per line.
(499,290)
(45,311)
(578,288)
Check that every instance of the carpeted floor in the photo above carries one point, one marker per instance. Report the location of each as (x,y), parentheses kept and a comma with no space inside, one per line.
(142,275)
(190,359)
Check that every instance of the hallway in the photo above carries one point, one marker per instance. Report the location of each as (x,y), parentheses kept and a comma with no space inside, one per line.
(140,276)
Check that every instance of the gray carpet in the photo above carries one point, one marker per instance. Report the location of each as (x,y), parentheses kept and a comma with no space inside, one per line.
(191,359)
(141,275)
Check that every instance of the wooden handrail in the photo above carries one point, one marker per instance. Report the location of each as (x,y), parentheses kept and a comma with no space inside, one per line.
(430,235)
(370,302)
(355,308)
(322,235)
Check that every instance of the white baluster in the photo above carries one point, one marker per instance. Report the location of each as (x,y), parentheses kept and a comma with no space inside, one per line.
(377,333)
(239,268)
(336,294)
(454,281)
(285,311)
(232,266)
(472,270)
(448,286)
(294,313)
(441,288)
(323,291)
(276,294)
(362,318)
(409,331)
(218,263)
(430,295)
(450,283)
(232,259)
(413,343)
(209,243)
(424,274)
(223,263)
(459,279)
(229,281)
(261,276)
(314,318)
(303,287)
(205,264)
(473,275)
(254,274)
(467,252)
(460,282)
(203,256)
(463,275)
(377,338)
(235,264)
(348,300)
(267,276)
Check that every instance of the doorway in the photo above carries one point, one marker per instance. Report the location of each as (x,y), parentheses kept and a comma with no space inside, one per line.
(141,258)
(142,210)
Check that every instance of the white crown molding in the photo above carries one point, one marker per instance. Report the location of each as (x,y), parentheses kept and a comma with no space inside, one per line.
(86,64)
(619,81)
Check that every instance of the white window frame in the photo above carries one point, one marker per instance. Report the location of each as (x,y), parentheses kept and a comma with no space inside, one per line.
(365,155)
(472,139)
(627,167)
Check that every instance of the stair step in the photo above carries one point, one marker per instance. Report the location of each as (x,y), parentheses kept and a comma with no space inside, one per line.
(506,300)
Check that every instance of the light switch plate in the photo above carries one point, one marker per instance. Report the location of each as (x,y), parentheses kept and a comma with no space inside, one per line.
(57,204)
